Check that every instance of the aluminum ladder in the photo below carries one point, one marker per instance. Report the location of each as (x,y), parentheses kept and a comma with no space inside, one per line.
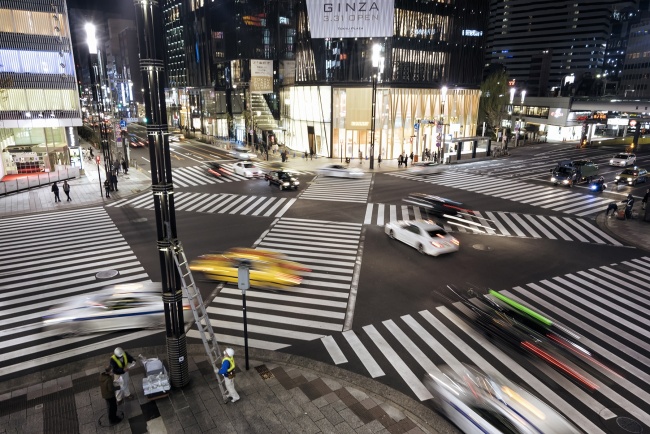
(200,315)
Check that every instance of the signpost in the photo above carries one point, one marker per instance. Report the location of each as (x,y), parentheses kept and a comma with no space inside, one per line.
(243,283)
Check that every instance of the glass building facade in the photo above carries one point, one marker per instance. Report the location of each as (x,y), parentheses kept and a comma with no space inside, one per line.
(39,101)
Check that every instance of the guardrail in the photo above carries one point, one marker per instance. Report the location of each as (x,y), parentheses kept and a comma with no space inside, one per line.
(35,181)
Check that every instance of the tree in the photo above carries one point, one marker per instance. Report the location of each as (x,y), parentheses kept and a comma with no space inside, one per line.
(494,97)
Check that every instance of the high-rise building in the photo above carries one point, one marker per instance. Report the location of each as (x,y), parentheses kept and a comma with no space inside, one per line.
(175,62)
(636,69)
(542,42)
(39,101)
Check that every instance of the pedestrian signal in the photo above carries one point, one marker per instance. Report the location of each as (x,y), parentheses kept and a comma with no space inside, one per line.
(97,159)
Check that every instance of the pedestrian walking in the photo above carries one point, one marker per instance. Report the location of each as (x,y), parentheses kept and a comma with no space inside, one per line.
(379,161)
(406,160)
(66,190)
(55,190)
(411,157)
(107,386)
(125,167)
(120,362)
(311,155)
(227,370)
(114,180)
(360,157)
(107,188)
(644,201)
(399,160)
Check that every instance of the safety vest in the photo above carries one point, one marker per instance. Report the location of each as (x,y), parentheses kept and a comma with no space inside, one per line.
(120,363)
(230,360)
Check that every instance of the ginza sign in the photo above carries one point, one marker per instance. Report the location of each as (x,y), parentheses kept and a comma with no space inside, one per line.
(350,18)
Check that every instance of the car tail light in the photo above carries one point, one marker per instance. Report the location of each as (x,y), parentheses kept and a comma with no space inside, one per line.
(455,241)
(436,245)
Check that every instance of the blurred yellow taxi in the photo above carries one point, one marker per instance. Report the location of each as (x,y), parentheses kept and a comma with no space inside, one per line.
(268,269)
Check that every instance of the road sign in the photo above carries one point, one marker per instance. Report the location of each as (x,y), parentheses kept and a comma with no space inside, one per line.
(123,123)
(416,127)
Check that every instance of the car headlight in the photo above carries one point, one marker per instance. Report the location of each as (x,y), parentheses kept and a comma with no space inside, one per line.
(553,179)
(617,178)
(611,161)
(297,182)
(566,181)
(285,184)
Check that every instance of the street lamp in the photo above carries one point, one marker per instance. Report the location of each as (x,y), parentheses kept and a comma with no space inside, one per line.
(443,100)
(378,65)
(512,98)
(96,78)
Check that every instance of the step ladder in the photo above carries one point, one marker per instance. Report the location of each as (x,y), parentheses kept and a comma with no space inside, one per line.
(200,315)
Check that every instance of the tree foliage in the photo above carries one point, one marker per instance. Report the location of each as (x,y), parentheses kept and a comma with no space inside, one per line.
(494,98)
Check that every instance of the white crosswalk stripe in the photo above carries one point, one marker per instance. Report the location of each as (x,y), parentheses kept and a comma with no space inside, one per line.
(556,199)
(216,203)
(198,175)
(338,190)
(608,305)
(315,308)
(45,265)
(500,223)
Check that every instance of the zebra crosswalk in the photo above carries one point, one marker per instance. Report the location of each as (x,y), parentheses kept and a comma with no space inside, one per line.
(198,175)
(499,223)
(44,264)
(338,189)
(220,203)
(315,308)
(556,199)
(608,306)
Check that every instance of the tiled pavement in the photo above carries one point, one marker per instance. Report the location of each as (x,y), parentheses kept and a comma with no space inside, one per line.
(281,393)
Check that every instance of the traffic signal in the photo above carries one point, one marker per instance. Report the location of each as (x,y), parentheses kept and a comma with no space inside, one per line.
(145,120)
(97,160)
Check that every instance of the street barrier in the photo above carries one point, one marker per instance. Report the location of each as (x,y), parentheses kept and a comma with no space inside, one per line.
(35,181)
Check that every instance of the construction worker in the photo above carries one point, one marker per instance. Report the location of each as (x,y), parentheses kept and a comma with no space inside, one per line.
(121,361)
(227,370)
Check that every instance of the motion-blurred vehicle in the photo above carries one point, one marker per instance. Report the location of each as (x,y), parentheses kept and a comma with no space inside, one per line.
(242,153)
(248,169)
(217,169)
(598,185)
(283,179)
(136,142)
(631,176)
(176,137)
(115,308)
(436,205)
(623,160)
(573,172)
(267,269)
(478,402)
(340,171)
(423,235)
(423,168)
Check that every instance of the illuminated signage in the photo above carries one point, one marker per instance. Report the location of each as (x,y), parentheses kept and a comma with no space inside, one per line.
(557,113)
(350,18)
(423,32)
(473,33)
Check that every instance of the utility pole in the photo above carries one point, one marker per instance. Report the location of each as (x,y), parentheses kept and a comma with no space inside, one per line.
(149,23)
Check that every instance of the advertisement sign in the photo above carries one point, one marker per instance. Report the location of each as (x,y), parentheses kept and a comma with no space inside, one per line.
(358,113)
(288,72)
(350,18)
(261,76)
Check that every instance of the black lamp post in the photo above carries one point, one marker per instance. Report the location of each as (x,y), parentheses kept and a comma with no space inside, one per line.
(378,66)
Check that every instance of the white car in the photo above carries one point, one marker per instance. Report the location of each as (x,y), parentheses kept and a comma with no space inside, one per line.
(242,154)
(340,171)
(115,308)
(424,168)
(247,169)
(477,402)
(175,137)
(423,235)
(623,160)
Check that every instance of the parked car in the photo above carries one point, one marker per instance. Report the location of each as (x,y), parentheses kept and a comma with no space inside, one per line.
(115,308)
(423,235)
(623,160)
(248,169)
(632,176)
(340,171)
(283,179)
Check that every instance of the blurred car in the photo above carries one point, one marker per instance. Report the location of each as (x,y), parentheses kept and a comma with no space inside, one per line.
(175,137)
(115,308)
(340,171)
(631,176)
(424,168)
(623,160)
(435,204)
(242,153)
(478,402)
(136,142)
(424,235)
(283,179)
(266,269)
(247,169)
(217,169)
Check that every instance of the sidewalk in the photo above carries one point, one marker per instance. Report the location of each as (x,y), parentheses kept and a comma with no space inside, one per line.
(634,232)
(281,393)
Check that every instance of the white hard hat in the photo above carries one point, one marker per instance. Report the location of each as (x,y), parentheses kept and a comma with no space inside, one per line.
(119,352)
(230,352)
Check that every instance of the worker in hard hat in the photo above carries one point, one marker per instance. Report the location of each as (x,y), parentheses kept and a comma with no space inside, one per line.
(228,372)
(121,361)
